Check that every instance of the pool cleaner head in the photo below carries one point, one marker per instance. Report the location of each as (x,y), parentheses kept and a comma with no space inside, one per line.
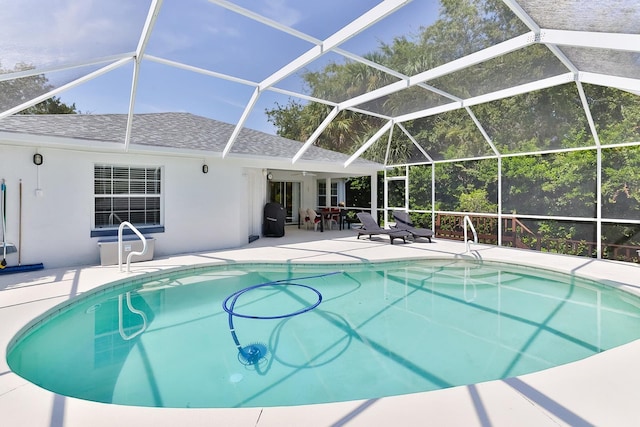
(252,354)
(255,353)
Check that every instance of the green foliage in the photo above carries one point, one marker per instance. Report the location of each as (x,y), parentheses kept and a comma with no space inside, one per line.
(621,182)
(451,135)
(615,113)
(397,171)
(52,105)
(561,184)
(14,92)
(420,187)
(475,201)
(395,193)
(462,179)
(464,26)
(358,192)
(546,119)
(554,184)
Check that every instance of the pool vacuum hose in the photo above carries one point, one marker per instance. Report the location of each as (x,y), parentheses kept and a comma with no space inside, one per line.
(252,354)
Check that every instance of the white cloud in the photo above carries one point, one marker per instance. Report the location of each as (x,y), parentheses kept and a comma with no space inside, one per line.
(279,11)
(59,31)
(223,30)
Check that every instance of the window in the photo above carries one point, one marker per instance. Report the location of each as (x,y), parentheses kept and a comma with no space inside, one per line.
(124,193)
(322,194)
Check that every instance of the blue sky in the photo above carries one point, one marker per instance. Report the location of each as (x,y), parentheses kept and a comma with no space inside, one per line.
(194,32)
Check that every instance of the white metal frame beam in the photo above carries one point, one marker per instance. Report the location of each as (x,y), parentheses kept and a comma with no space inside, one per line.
(442,70)
(369,143)
(263,20)
(316,134)
(483,55)
(413,140)
(587,39)
(302,36)
(152,16)
(70,66)
(522,15)
(65,87)
(345,33)
(350,30)
(243,119)
(625,42)
(388,150)
(624,83)
(199,70)
(492,96)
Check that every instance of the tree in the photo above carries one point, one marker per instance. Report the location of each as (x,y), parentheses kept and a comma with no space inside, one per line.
(52,105)
(14,92)
(489,21)
(560,184)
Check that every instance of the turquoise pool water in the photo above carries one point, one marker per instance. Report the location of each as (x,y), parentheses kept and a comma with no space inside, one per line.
(311,334)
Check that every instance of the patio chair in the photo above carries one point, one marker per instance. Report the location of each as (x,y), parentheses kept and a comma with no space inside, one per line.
(371,227)
(331,216)
(304,218)
(315,219)
(343,219)
(403,222)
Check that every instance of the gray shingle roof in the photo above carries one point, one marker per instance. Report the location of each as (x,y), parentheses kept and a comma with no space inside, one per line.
(174,130)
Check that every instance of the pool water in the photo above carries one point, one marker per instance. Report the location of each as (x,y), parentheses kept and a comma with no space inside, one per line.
(321,333)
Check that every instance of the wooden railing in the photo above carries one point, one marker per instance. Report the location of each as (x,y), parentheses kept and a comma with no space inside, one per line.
(517,235)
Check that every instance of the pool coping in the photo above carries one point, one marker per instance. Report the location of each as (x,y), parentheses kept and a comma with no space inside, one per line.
(599,390)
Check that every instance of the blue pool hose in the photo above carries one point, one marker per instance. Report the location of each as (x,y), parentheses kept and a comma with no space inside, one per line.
(252,354)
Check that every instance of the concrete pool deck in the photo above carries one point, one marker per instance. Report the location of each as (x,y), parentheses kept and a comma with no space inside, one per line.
(602,390)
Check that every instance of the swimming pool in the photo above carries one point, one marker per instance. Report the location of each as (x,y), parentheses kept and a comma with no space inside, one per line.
(378,330)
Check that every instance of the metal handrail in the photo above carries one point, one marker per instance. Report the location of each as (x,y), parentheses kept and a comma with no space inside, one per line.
(132,253)
(467,221)
(464,287)
(121,316)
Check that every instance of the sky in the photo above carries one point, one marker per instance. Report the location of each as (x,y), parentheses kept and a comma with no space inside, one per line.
(60,33)
(56,36)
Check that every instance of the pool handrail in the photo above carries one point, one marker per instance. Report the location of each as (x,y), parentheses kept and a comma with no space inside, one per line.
(133,310)
(467,221)
(132,253)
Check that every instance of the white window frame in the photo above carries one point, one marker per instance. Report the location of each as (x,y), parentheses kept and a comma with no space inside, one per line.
(332,197)
(144,185)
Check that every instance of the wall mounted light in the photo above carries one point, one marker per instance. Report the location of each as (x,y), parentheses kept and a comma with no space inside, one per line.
(37,159)
(269,176)
(205,168)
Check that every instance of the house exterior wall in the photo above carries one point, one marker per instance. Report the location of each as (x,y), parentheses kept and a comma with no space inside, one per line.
(308,191)
(255,200)
(200,211)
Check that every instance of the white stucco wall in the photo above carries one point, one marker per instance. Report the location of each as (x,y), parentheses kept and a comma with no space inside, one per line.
(308,190)
(201,211)
(256,198)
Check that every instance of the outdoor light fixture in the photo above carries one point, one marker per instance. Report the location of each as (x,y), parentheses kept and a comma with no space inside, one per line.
(205,168)
(37,159)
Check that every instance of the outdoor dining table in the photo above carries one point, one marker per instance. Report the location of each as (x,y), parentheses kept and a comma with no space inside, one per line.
(329,214)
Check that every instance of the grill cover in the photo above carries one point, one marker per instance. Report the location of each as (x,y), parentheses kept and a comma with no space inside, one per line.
(273,222)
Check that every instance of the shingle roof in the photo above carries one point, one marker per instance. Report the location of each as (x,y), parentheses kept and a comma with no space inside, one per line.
(173,130)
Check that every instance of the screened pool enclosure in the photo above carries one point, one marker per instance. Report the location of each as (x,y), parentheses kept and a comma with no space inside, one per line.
(522,114)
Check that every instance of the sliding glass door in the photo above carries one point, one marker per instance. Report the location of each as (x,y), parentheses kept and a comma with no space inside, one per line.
(286,193)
